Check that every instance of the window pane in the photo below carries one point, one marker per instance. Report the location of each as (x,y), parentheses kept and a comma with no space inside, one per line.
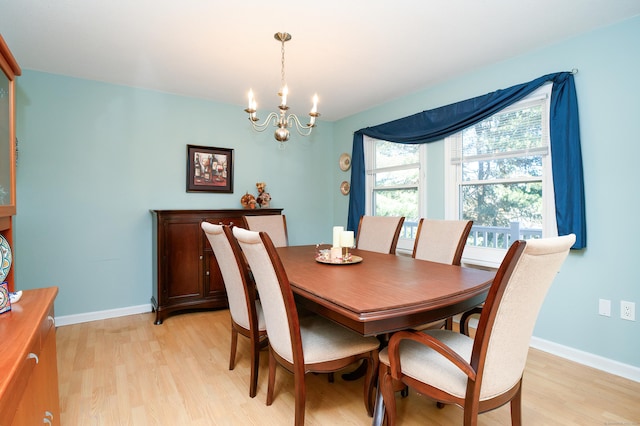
(502,213)
(396,202)
(502,168)
(398,177)
(503,132)
(389,154)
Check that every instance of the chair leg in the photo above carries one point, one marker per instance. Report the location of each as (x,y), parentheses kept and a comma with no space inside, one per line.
(272,377)
(448,325)
(234,345)
(300,398)
(386,388)
(516,407)
(255,364)
(369,384)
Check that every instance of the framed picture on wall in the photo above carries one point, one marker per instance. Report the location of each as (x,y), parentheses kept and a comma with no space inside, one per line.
(209,169)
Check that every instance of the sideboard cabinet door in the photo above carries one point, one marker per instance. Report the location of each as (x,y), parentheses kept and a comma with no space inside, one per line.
(185,271)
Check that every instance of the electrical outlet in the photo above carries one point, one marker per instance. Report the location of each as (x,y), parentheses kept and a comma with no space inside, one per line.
(604,307)
(627,310)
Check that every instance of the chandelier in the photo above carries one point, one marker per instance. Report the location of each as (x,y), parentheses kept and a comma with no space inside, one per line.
(280,119)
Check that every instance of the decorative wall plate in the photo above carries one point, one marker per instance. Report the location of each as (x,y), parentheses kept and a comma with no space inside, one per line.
(345,162)
(5,258)
(345,187)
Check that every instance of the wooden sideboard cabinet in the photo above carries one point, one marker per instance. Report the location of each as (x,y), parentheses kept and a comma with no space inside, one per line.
(185,271)
(29,383)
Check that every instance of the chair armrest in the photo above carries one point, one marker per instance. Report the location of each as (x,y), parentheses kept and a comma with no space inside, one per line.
(427,340)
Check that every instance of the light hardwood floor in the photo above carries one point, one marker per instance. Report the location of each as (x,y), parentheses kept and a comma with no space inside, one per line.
(128,371)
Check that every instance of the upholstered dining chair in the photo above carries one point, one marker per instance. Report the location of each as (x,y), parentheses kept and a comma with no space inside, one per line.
(441,241)
(301,344)
(246,311)
(273,224)
(379,233)
(485,372)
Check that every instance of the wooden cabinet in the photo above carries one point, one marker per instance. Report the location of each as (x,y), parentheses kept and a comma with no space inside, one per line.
(10,70)
(185,271)
(29,383)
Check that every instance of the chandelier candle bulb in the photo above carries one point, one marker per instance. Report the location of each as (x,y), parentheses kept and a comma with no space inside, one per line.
(337,235)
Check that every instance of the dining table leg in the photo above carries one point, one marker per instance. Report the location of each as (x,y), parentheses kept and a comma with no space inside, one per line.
(378,410)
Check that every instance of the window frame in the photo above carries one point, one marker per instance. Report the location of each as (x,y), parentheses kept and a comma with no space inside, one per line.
(405,245)
(488,256)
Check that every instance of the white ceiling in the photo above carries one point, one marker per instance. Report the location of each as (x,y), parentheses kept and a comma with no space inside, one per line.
(354,53)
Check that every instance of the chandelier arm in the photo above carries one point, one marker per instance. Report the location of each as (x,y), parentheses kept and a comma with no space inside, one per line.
(293,119)
(271,118)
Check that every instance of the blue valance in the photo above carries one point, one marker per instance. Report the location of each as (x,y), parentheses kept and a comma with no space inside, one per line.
(438,123)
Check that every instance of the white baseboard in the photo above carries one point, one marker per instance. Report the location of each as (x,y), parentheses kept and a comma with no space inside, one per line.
(585,358)
(100,315)
(600,363)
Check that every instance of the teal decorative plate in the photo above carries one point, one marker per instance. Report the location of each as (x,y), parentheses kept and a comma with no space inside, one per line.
(5,258)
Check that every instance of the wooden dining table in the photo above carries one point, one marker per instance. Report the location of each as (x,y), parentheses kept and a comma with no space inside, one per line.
(382,293)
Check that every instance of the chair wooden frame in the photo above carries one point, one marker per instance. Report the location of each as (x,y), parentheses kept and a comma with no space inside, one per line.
(473,368)
(396,235)
(257,336)
(298,367)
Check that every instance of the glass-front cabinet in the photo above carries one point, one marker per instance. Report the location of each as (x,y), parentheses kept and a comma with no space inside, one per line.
(10,70)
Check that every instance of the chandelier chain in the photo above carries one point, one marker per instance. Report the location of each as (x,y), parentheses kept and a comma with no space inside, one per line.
(282,63)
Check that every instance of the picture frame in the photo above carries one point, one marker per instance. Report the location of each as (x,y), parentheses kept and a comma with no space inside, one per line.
(209,169)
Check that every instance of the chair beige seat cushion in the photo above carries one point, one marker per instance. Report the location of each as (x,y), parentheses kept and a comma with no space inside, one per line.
(324,340)
(428,366)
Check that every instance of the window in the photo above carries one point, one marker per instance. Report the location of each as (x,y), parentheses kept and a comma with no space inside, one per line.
(395,183)
(497,173)
(499,176)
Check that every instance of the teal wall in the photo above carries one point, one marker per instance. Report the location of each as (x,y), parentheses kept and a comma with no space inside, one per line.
(94,158)
(608,92)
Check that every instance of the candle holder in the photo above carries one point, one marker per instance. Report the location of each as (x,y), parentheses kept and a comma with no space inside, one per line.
(347,256)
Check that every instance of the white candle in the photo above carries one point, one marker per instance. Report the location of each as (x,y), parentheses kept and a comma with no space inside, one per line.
(337,235)
(336,254)
(346,239)
(250,98)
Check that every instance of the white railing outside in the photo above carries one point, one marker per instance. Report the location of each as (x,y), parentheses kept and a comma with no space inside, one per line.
(485,236)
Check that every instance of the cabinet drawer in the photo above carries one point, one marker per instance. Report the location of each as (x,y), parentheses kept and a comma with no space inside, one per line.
(20,380)
(46,325)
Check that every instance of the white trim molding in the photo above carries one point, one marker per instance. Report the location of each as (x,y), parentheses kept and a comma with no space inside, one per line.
(585,358)
(101,315)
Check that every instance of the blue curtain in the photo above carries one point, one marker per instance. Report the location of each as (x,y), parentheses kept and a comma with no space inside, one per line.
(436,124)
